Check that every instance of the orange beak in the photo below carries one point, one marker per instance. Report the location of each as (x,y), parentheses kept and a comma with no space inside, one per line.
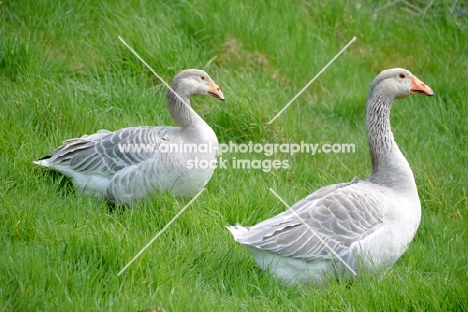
(418,87)
(215,91)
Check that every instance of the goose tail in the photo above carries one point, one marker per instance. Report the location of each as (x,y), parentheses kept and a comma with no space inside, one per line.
(44,161)
(237,231)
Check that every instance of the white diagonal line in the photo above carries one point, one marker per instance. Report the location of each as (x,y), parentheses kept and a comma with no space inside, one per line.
(414,7)
(154,72)
(160,232)
(315,233)
(313,79)
(387,5)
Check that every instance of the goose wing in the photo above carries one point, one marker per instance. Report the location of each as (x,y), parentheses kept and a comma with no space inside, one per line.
(333,217)
(107,152)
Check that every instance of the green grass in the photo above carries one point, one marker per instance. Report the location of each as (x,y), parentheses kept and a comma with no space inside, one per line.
(65,73)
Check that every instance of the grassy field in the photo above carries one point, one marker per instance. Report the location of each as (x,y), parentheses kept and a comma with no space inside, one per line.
(65,74)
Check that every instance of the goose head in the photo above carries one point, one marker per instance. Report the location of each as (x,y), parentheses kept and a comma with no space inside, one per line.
(195,82)
(398,83)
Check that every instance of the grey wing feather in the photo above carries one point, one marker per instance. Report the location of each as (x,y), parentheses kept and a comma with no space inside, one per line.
(102,152)
(338,214)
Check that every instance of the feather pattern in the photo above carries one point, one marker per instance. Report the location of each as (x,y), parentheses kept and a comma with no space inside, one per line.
(337,218)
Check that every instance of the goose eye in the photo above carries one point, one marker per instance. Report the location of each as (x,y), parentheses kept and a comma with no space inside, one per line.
(402,76)
(202,77)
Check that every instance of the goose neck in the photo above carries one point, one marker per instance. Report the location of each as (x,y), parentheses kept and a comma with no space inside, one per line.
(389,166)
(180,110)
(379,132)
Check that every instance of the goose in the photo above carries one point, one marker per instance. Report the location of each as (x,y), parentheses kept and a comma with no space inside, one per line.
(348,229)
(133,163)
